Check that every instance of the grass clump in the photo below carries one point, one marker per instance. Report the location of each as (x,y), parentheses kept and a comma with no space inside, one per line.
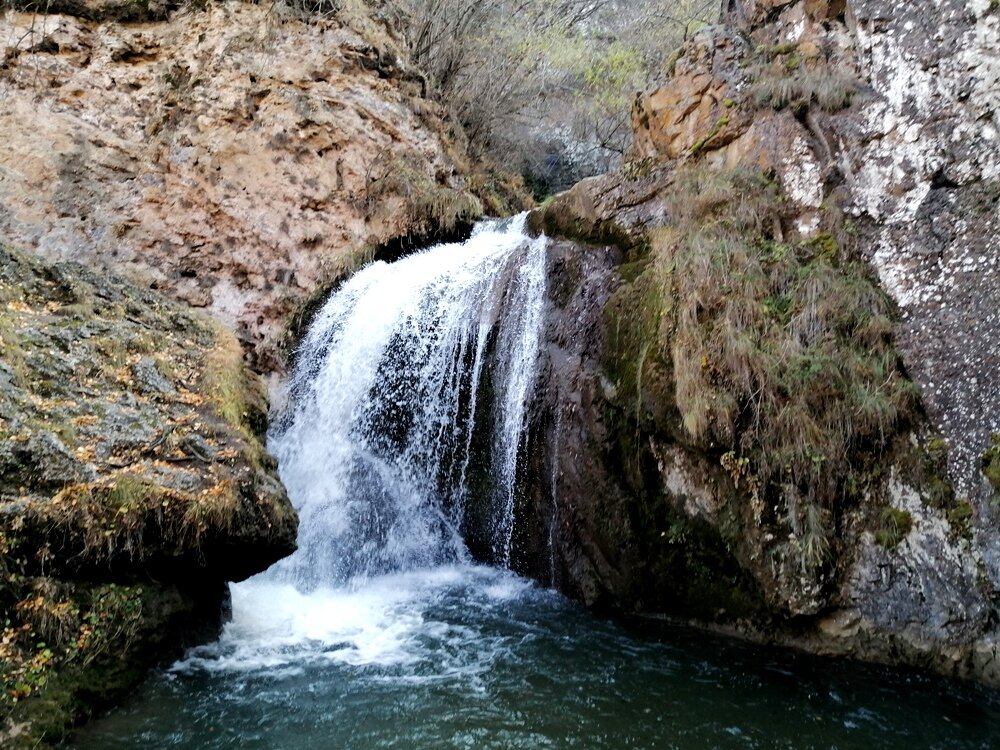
(799,87)
(960,518)
(780,355)
(118,519)
(896,524)
(432,204)
(236,394)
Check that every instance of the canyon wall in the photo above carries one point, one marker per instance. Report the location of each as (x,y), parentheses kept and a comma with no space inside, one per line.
(771,364)
(237,157)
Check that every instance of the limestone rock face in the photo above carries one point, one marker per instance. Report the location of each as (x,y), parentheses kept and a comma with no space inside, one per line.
(877,124)
(133,486)
(235,157)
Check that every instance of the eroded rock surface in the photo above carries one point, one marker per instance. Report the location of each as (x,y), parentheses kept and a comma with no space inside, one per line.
(235,156)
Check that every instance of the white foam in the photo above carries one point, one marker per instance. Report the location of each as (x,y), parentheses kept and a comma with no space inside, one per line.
(394,623)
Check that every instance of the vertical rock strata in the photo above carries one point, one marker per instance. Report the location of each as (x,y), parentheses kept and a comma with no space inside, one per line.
(772,366)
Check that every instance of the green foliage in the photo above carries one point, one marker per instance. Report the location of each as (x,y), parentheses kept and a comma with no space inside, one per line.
(504,68)
(991,465)
(58,625)
(611,78)
(896,524)
(633,317)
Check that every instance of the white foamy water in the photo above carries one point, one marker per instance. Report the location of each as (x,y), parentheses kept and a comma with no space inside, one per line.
(375,445)
(400,623)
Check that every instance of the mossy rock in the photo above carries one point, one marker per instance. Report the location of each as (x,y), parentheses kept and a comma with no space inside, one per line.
(131,453)
(771,358)
(991,465)
(571,216)
(896,524)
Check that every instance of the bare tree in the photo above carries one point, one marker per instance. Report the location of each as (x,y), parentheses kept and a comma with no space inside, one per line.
(546,78)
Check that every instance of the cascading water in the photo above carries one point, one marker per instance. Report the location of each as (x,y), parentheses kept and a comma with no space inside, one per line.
(375,445)
(381,633)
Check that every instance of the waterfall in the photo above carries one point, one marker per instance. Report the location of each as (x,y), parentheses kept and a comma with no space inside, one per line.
(390,383)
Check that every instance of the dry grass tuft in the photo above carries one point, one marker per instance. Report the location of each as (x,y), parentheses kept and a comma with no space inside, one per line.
(432,204)
(781,354)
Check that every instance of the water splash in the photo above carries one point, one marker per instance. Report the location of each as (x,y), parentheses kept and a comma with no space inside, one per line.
(375,444)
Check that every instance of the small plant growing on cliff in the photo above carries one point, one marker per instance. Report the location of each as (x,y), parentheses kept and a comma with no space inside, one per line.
(432,204)
(991,466)
(896,524)
(831,91)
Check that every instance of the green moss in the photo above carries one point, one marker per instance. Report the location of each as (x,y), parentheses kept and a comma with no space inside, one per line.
(716,129)
(561,218)
(793,62)
(896,524)
(939,492)
(937,450)
(691,559)
(960,518)
(46,686)
(500,192)
(632,318)
(109,509)
(823,247)
(991,464)
(786,48)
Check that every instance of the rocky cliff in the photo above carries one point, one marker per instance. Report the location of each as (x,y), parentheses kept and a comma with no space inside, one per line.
(235,156)
(771,358)
(133,486)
